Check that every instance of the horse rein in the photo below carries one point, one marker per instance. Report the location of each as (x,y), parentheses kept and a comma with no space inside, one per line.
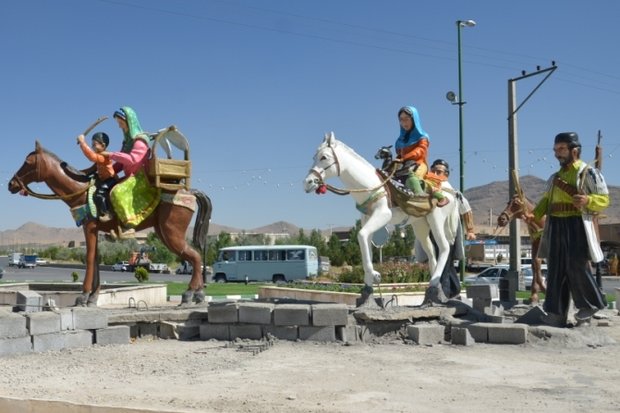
(320,173)
(26,188)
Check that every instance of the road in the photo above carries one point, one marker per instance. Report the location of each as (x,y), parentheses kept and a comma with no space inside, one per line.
(56,274)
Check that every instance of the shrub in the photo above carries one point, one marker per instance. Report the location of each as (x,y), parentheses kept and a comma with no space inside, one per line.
(393,272)
(141,274)
(75,276)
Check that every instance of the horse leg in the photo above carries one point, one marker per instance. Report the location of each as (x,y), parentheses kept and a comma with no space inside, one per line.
(378,218)
(171,227)
(538,283)
(90,284)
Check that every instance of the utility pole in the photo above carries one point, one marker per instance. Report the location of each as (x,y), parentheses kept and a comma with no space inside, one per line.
(513,165)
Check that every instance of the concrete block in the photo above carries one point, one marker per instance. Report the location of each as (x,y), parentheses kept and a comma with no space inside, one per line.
(43,322)
(291,314)
(210,331)
(349,333)
(255,313)
(66,319)
(482,291)
(12,325)
(246,331)
(15,345)
(112,335)
(290,333)
(148,330)
(180,331)
(508,333)
(479,331)
(223,313)
(85,318)
(329,314)
(313,333)
(62,340)
(461,336)
(426,334)
(29,301)
(479,304)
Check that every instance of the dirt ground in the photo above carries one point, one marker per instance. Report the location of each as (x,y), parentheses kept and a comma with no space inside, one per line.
(568,370)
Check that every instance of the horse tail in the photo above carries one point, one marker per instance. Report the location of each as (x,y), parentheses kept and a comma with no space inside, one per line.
(203,218)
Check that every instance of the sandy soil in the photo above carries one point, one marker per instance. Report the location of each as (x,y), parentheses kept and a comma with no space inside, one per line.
(572,370)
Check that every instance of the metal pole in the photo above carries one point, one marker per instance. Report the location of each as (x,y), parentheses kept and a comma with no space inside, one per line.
(461,103)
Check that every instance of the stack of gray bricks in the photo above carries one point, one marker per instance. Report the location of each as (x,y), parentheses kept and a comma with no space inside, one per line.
(32,330)
(315,322)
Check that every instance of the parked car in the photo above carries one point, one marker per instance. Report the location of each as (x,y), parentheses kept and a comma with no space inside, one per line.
(1,272)
(490,275)
(41,261)
(120,266)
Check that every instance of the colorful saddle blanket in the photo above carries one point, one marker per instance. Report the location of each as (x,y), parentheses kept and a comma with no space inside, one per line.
(134,199)
(402,197)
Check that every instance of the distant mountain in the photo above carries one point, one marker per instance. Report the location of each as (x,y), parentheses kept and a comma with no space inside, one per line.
(490,200)
(487,201)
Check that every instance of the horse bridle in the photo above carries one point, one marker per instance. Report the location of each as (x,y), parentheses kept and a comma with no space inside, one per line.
(320,172)
(37,178)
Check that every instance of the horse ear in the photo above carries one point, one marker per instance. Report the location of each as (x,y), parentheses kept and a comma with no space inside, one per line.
(37,146)
(330,138)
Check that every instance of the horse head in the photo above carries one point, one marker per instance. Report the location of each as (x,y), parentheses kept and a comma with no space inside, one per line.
(42,165)
(29,172)
(385,153)
(325,164)
(514,209)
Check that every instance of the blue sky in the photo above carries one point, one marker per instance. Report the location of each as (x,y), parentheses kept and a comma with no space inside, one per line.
(255,85)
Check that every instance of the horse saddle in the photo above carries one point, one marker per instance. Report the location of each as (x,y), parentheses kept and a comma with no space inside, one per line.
(405,199)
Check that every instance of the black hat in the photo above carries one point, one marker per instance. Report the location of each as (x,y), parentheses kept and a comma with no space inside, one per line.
(442,163)
(102,138)
(571,138)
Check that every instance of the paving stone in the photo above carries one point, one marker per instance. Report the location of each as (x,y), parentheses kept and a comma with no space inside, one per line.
(329,314)
(246,331)
(112,335)
(210,331)
(291,315)
(86,318)
(290,333)
(312,333)
(12,325)
(426,334)
(223,313)
(255,313)
(15,345)
(461,336)
(43,322)
(29,301)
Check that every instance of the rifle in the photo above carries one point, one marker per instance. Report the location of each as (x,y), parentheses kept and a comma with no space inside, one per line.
(598,152)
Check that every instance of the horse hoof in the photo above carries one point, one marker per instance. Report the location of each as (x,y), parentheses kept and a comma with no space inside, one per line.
(199,296)
(92,300)
(186,297)
(434,295)
(82,300)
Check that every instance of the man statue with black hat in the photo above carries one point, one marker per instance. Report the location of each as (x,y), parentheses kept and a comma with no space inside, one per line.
(574,194)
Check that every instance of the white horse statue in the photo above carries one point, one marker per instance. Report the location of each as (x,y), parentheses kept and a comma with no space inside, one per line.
(334,158)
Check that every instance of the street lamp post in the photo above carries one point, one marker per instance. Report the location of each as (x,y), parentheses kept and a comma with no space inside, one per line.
(458,100)
(461,102)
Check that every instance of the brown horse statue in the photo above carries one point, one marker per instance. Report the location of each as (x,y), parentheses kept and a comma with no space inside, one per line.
(518,207)
(170,221)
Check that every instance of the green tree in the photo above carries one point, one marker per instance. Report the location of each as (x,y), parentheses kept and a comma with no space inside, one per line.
(159,252)
(335,251)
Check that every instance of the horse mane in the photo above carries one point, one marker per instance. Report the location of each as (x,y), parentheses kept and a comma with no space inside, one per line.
(355,154)
(70,171)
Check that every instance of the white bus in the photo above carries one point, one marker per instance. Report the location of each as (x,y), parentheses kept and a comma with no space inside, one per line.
(275,263)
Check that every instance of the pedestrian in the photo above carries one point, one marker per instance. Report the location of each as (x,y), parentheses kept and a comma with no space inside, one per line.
(573,195)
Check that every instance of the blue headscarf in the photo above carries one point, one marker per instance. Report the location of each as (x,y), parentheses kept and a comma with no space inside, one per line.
(412,137)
